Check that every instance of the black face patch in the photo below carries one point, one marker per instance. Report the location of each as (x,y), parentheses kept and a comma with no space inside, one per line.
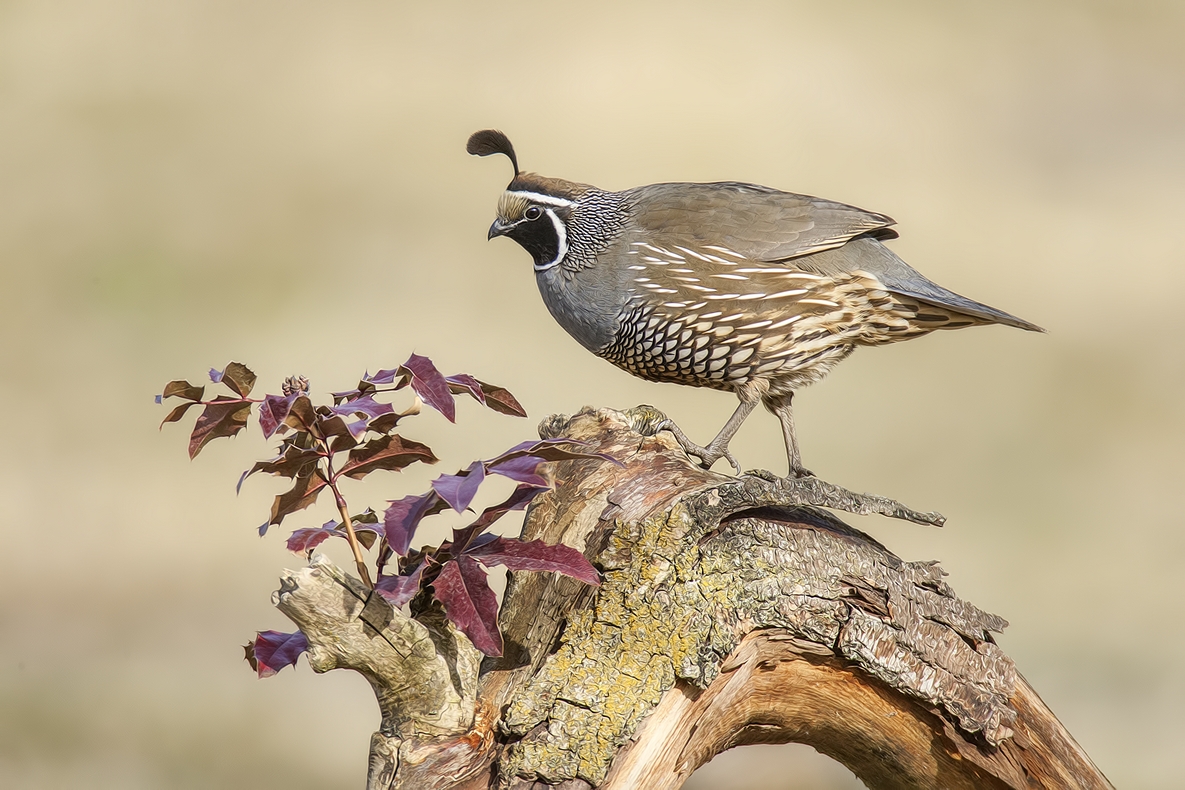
(539,237)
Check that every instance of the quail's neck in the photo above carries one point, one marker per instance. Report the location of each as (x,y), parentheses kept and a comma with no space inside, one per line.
(595,222)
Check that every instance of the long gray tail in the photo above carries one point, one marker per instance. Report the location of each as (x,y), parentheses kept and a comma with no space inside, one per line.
(901,278)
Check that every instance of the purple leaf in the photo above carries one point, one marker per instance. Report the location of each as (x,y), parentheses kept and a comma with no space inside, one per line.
(237,376)
(358,428)
(382,377)
(463,382)
(430,385)
(459,489)
(404,515)
(534,556)
(470,603)
(274,650)
(400,589)
(521,469)
(522,461)
(365,405)
(273,411)
(223,417)
(518,500)
(309,538)
(550,450)
(304,540)
(385,423)
(386,452)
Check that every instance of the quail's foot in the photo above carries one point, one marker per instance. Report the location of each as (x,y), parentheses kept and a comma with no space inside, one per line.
(707,455)
(765,474)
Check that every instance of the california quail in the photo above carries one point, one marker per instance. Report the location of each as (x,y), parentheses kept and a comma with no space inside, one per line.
(725,285)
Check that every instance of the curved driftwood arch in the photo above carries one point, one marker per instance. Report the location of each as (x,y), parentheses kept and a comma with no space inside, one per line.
(733,611)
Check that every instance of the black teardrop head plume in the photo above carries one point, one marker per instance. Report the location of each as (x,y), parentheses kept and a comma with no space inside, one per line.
(491,141)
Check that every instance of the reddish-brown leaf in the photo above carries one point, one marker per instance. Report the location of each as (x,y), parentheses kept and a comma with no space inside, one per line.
(301,415)
(342,442)
(302,494)
(292,462)
(178,412)
(500,400)
(535,556)
(386,452)
(183,389)
(237,376)
(470,603)
(223,417)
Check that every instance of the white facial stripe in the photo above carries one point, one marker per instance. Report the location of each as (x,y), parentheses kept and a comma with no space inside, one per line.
(561,234)
(547,200)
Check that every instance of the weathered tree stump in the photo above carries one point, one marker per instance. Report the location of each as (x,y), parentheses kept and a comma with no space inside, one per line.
(733,611)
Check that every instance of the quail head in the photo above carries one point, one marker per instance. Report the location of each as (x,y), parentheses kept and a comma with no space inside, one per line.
(725,285)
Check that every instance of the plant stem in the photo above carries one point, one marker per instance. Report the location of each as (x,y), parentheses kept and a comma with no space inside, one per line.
(328,475)
(353,540)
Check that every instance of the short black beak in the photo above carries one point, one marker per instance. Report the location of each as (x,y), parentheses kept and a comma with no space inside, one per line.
(497,229)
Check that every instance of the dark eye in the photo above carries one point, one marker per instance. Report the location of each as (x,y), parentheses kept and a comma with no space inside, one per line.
(534,212)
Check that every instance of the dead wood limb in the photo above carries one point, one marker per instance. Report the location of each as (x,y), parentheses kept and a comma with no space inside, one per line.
(732,611)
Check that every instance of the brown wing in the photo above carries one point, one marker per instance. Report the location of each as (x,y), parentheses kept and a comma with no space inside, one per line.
(759,223)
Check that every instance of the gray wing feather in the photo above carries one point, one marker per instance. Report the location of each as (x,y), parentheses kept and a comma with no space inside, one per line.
(757,222)
(807,233)
(899,277)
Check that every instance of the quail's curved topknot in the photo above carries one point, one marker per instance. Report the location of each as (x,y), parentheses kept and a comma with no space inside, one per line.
(491,141)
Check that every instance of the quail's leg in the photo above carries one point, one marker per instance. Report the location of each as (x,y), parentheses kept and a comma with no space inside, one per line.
(718,447)
(781,407)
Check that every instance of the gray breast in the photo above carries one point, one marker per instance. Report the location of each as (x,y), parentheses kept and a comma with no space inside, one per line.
(585,302)
(588,290)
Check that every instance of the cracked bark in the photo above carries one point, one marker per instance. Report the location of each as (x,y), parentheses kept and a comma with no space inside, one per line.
(733,611)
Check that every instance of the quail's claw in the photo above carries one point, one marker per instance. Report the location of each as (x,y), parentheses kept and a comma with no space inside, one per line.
(736,467)
(706,455)
(800,472)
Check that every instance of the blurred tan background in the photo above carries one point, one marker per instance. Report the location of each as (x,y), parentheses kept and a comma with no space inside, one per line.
(285,184)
